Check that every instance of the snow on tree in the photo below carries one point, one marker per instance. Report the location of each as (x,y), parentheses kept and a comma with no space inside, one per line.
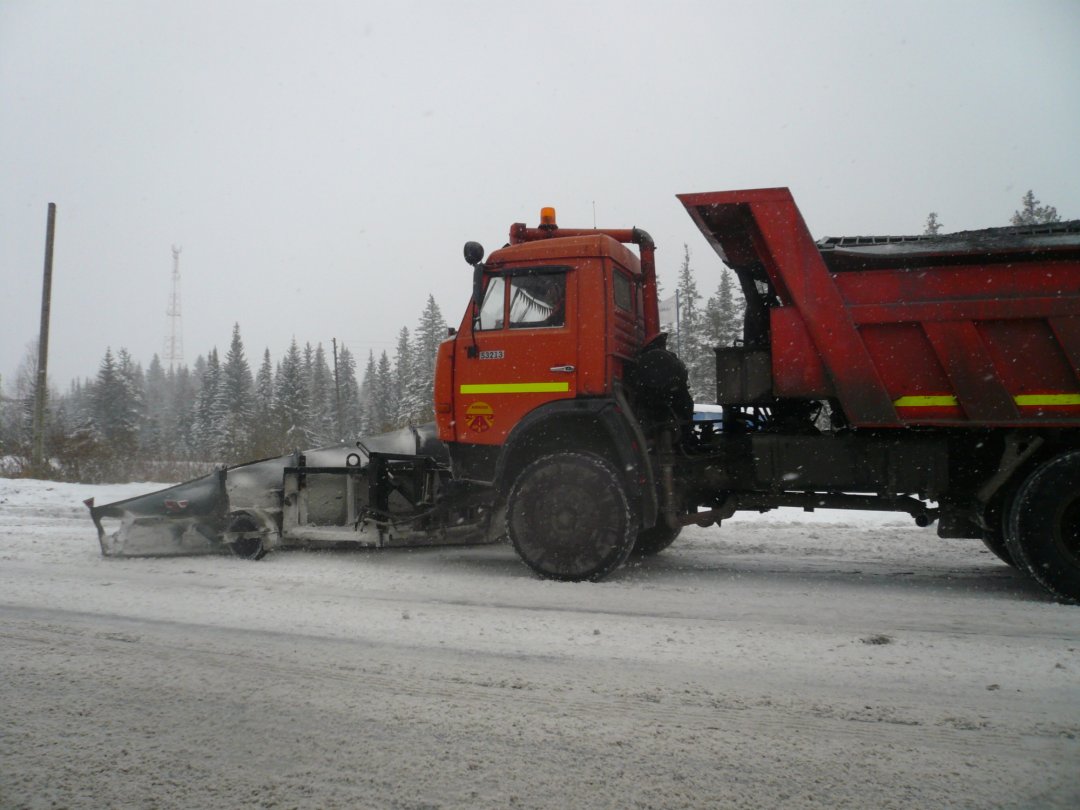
(322,419)
(17,413)
(349,391)
(1033,213)
(405,402)
(382,396)
(207,409)
(430,332)
(151,440)
(234,406)
(291,406)
(130,375)
(178,421)
(264,439)
(368,422)
(198,370)
(71,413)
(308,366)
(722,324)
(19,418)
(216,410)
(114,425)
(933,224)
(692,347)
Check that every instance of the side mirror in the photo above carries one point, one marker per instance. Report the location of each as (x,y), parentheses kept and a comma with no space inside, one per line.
(474,253)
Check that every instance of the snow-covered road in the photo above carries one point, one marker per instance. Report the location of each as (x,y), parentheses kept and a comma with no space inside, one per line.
(784,660)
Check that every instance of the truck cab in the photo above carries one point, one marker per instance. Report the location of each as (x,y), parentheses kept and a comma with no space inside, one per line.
(533,385)
(553,320)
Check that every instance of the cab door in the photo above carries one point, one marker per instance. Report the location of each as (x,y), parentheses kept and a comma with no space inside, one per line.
(524,352)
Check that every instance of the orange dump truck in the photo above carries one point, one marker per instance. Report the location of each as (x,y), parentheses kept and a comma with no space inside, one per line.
(937,376)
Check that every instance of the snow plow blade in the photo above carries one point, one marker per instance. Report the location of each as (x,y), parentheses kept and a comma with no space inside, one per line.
(389,490)
(184,519)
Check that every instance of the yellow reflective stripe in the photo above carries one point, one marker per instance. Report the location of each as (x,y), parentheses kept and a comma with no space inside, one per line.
(1048,399)
(926,402)
(949,401)
(517,388)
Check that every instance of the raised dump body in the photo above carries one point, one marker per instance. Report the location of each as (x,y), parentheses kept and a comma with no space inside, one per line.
(977,329)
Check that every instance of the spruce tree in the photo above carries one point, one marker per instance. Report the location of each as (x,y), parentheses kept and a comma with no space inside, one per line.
(155,395)
(351,416)
(368,419)
(403,406)
(933,224)
(131,377)
(265,442)
(721,317)
(112,426)
(204,419)
(693,349)
(198,372)
(21,419)
(184,386)
(1033,213)
(383,405)
(308,368)
(430,332)
(235,410)
(291,401)
(322,417)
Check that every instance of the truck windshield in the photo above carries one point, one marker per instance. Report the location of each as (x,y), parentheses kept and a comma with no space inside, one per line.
(538,300)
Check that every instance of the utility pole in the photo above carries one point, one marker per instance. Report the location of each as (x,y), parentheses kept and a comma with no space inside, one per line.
(174,342)
(41,391)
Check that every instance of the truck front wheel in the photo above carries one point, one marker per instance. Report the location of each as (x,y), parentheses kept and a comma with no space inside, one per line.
(569,518)
(653,541)
(997,516)
(1044,525)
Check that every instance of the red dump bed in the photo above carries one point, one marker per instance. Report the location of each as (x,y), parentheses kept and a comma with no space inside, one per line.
(977,329)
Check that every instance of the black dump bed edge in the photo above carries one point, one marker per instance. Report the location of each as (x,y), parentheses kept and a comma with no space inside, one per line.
(1058,240)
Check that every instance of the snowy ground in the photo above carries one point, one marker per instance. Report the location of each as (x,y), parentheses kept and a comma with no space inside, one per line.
(827,660)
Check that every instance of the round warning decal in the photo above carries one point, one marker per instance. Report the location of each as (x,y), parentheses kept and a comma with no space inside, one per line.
(479,417)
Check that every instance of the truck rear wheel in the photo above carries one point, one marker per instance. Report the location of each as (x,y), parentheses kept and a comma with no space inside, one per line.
(1044,525)
(568,517)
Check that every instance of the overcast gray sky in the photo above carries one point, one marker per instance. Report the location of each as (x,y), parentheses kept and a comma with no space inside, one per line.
(321,163)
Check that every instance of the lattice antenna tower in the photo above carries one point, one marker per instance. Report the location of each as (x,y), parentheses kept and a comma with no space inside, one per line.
(174,341)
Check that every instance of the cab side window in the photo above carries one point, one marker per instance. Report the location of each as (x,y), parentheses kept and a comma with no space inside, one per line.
(491,312)
(537,300)
(624,292)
